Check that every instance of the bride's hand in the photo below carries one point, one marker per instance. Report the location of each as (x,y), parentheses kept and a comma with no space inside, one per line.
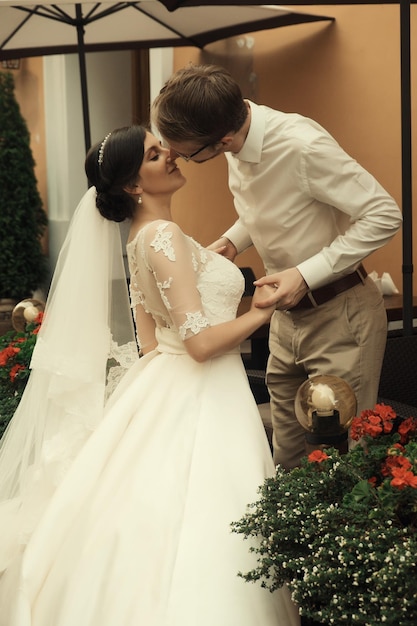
(262,293)
(289,287)
(224,247)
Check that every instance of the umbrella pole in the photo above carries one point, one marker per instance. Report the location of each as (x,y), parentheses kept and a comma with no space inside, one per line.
(406,168)
(83,77)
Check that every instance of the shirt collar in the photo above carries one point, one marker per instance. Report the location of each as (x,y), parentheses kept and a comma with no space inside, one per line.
(252,148)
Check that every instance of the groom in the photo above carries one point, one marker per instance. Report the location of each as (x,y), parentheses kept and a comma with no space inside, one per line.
(313,214)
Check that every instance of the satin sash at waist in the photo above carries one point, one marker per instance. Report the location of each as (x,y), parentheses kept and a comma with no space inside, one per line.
(169,342)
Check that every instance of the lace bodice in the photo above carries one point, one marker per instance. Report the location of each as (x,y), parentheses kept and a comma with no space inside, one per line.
(183,286)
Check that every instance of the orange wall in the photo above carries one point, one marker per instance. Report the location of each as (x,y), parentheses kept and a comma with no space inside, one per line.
(345,75)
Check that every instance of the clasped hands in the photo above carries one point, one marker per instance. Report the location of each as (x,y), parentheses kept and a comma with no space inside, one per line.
(282,290)
(289,287)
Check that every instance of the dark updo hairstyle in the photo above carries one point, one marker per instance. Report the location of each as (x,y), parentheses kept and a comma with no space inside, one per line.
(113,164)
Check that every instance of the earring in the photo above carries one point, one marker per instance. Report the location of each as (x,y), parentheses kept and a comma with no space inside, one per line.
(140,199)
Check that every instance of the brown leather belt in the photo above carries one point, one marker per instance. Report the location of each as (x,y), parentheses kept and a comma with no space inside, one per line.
(319,296)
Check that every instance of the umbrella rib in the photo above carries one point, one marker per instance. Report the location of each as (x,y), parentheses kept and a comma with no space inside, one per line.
(192,41)
(67,18)
(116,8)
(43,11)
(95,7)
(13,33)
(91,16)
(55,12)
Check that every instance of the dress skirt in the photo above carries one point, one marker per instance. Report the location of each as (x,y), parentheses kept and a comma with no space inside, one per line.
(138,533)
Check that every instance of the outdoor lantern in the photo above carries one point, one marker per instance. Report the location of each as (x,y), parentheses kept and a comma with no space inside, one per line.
(325,406)
(26,311)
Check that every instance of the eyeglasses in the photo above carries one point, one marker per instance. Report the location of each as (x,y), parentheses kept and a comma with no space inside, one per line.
(188,157)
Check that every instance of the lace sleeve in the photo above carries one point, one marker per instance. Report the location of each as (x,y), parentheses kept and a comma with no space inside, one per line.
(171,257)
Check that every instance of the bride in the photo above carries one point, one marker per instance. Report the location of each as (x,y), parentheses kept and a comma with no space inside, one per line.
(120,475)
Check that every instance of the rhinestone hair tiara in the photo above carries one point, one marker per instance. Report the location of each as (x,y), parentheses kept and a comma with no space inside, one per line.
(101,151)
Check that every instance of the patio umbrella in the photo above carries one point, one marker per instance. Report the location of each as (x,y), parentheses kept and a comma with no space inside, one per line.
(64,27)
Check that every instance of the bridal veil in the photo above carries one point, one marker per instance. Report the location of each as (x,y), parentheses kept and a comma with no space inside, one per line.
(86,342)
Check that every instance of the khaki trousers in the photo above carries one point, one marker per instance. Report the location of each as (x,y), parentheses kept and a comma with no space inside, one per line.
(344,337)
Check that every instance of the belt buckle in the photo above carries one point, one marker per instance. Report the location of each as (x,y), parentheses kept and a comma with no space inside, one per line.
(312,299)
(359,273)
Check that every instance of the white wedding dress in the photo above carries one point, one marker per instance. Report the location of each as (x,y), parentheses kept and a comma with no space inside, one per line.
(138,532)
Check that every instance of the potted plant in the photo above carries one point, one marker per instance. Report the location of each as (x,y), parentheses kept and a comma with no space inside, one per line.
(22,218)
(16,348)
(341,530)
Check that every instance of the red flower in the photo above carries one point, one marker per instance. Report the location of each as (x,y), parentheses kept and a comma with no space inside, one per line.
(396,449)
(15,370)
(394,462)
(403,478)
(386,413)
(407,428)
(7,354)
(356,428)
(317,456)
(373,422)
(374,427)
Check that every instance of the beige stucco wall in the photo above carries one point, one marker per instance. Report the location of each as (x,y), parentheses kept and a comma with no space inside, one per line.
(346,75)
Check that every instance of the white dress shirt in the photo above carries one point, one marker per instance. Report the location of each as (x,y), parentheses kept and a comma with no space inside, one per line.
(303,202)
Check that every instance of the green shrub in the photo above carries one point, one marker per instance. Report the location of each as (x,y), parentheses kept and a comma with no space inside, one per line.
(22,218)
